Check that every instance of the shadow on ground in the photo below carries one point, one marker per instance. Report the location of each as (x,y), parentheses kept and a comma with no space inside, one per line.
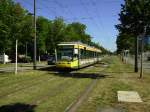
(73,73)
(81,75)
(17,107)
(121,72)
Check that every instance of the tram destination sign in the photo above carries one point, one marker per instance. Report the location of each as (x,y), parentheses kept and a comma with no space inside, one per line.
(66,47)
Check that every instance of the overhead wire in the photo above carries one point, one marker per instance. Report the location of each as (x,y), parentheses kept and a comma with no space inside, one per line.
(99,17)
(66,10)
(88,13)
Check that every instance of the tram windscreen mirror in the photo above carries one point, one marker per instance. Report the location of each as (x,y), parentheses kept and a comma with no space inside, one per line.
(75,51)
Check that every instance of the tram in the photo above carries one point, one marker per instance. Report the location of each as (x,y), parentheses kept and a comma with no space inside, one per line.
(74,55)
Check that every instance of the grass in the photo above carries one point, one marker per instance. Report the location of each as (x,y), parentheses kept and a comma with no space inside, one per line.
(42,91)
(119,77)
(6,65)
(22,64)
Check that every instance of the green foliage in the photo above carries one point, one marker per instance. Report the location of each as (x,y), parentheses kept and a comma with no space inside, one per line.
(5,18)
(134,17)
(147,47)
(42,32)
(17,23)
(125,42)
(55,34)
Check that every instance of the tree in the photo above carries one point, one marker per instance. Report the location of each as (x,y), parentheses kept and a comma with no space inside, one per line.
(42,34)
(134,18)
(4,42)
(76,32)
(5,22)
(125,42)
(55,34)
(17,23)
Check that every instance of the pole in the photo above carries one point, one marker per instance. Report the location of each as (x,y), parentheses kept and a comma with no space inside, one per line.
(55,55)
(4,61)
(34,61)
(141,71)
(16,70)
(142,48)
(136,55)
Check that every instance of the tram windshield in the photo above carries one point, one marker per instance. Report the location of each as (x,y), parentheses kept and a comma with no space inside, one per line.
(65,53)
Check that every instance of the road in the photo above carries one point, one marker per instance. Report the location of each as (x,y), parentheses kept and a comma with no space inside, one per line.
(146,64)
(22,67)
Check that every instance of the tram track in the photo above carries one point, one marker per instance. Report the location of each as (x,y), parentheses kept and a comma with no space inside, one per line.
(84,94)
(77,102)
(21,81)
(26,81)
(5,94)
(59,88)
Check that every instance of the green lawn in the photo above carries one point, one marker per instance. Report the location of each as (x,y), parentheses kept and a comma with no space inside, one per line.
(119,77)
(6,65)
(22,64)
(43,91)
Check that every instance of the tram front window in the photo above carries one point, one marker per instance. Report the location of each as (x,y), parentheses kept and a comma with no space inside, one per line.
(65,54)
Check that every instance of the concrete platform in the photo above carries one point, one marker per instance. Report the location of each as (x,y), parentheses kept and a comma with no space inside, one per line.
(128,96)
(110,109)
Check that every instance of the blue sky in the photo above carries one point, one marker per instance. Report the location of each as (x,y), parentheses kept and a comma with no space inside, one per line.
(100,16)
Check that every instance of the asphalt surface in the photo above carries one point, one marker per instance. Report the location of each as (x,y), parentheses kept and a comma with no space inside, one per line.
(22,67)
(146,64)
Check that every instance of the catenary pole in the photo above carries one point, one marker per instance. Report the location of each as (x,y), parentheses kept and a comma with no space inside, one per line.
(34,60)
(141,68)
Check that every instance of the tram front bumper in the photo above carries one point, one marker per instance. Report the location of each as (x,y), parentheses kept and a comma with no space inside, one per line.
(63,65)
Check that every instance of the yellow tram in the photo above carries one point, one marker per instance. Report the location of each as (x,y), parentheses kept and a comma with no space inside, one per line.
(76,55)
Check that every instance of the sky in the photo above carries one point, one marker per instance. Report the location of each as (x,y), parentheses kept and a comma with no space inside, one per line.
(99,16)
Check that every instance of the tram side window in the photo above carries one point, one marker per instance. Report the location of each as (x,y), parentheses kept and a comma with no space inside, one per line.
(87,54)
(90,54)
(81,54)
(94,54)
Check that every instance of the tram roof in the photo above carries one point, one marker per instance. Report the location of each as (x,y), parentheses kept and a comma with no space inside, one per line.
(81,45)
